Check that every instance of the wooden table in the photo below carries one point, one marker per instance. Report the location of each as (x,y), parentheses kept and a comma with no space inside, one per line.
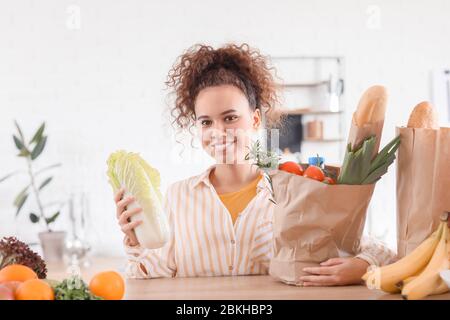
(247,288)
(226,288)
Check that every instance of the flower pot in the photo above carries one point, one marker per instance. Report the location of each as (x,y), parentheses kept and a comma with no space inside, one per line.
(52,244)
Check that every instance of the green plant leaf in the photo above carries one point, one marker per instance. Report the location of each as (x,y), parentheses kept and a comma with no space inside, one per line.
(21,194)
(20,131)
(34,218)
(38,135)
(52,218)
(46,182)
(38,148)
(23,153)
(18,143)
(20,201)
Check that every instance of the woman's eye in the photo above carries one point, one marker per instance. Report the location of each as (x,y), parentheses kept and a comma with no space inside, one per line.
(231,118)
(205,122)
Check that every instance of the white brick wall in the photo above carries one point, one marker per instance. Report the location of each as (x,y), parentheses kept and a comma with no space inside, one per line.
(100,88)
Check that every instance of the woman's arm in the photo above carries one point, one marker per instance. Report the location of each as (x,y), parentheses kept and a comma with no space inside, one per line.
(375,252)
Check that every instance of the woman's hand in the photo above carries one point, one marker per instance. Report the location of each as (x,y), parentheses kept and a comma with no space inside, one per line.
(335,272)
(123,216)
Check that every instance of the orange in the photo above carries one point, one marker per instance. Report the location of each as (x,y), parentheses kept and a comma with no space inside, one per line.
(17,272)
(12,285)
(35,289)
(108,285)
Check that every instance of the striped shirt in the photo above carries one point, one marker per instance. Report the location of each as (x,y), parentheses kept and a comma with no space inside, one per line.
(205,242)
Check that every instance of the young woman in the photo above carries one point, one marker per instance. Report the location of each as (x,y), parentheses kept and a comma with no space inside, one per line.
(221,220)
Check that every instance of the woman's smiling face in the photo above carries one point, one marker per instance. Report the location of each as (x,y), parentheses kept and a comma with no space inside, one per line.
(225,122)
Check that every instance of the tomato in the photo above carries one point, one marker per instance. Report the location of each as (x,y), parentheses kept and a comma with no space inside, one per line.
(314,172)
(291,167)
(329,180)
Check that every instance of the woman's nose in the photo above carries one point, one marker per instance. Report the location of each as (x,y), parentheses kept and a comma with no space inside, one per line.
(219,126)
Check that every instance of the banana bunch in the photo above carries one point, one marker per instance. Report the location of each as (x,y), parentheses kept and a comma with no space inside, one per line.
(417,274)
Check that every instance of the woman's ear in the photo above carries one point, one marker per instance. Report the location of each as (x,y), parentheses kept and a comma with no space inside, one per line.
(256,119)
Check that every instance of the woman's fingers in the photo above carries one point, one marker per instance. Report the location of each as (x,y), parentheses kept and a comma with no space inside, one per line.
(332,262)
(127,214)
(122,204)
(320,270)
(130,226)
(119,194)
(319,280)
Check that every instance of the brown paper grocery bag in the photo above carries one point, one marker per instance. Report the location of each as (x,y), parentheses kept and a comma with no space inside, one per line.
(423,184)
(314,221)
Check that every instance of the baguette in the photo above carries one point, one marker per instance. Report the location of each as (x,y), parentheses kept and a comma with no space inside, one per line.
(372,106)
(423,116)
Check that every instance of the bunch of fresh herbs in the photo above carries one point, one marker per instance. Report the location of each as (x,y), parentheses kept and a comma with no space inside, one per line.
(265,160)
(73,288)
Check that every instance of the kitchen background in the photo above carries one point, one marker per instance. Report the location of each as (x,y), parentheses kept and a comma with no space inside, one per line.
(94,71)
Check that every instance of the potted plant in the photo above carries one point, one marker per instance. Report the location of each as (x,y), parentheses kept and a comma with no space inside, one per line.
(52,242)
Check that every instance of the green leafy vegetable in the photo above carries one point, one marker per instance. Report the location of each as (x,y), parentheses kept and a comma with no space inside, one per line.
(140,180)
(73,288)
(360,167)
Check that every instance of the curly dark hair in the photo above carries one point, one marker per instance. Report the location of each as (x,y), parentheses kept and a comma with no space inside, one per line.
(203,66)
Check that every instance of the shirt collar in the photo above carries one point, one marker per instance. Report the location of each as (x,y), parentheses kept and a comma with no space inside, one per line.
(203,177)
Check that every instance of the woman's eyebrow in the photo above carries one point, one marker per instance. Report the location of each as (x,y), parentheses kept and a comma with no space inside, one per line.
(202,117)
(228,111)
(223,113)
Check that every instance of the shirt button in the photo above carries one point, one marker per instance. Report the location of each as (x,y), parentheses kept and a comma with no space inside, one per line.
(230,268)
(233,242)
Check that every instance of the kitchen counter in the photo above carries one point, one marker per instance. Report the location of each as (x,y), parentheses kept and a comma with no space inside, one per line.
(238,288)
(247,288)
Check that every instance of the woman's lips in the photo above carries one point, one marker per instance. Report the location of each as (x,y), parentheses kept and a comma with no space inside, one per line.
(222,146)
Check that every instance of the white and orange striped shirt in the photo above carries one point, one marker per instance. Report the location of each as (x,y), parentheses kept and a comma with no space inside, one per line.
(205,242)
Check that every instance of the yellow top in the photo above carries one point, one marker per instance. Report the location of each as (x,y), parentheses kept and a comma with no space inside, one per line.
(237,201)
